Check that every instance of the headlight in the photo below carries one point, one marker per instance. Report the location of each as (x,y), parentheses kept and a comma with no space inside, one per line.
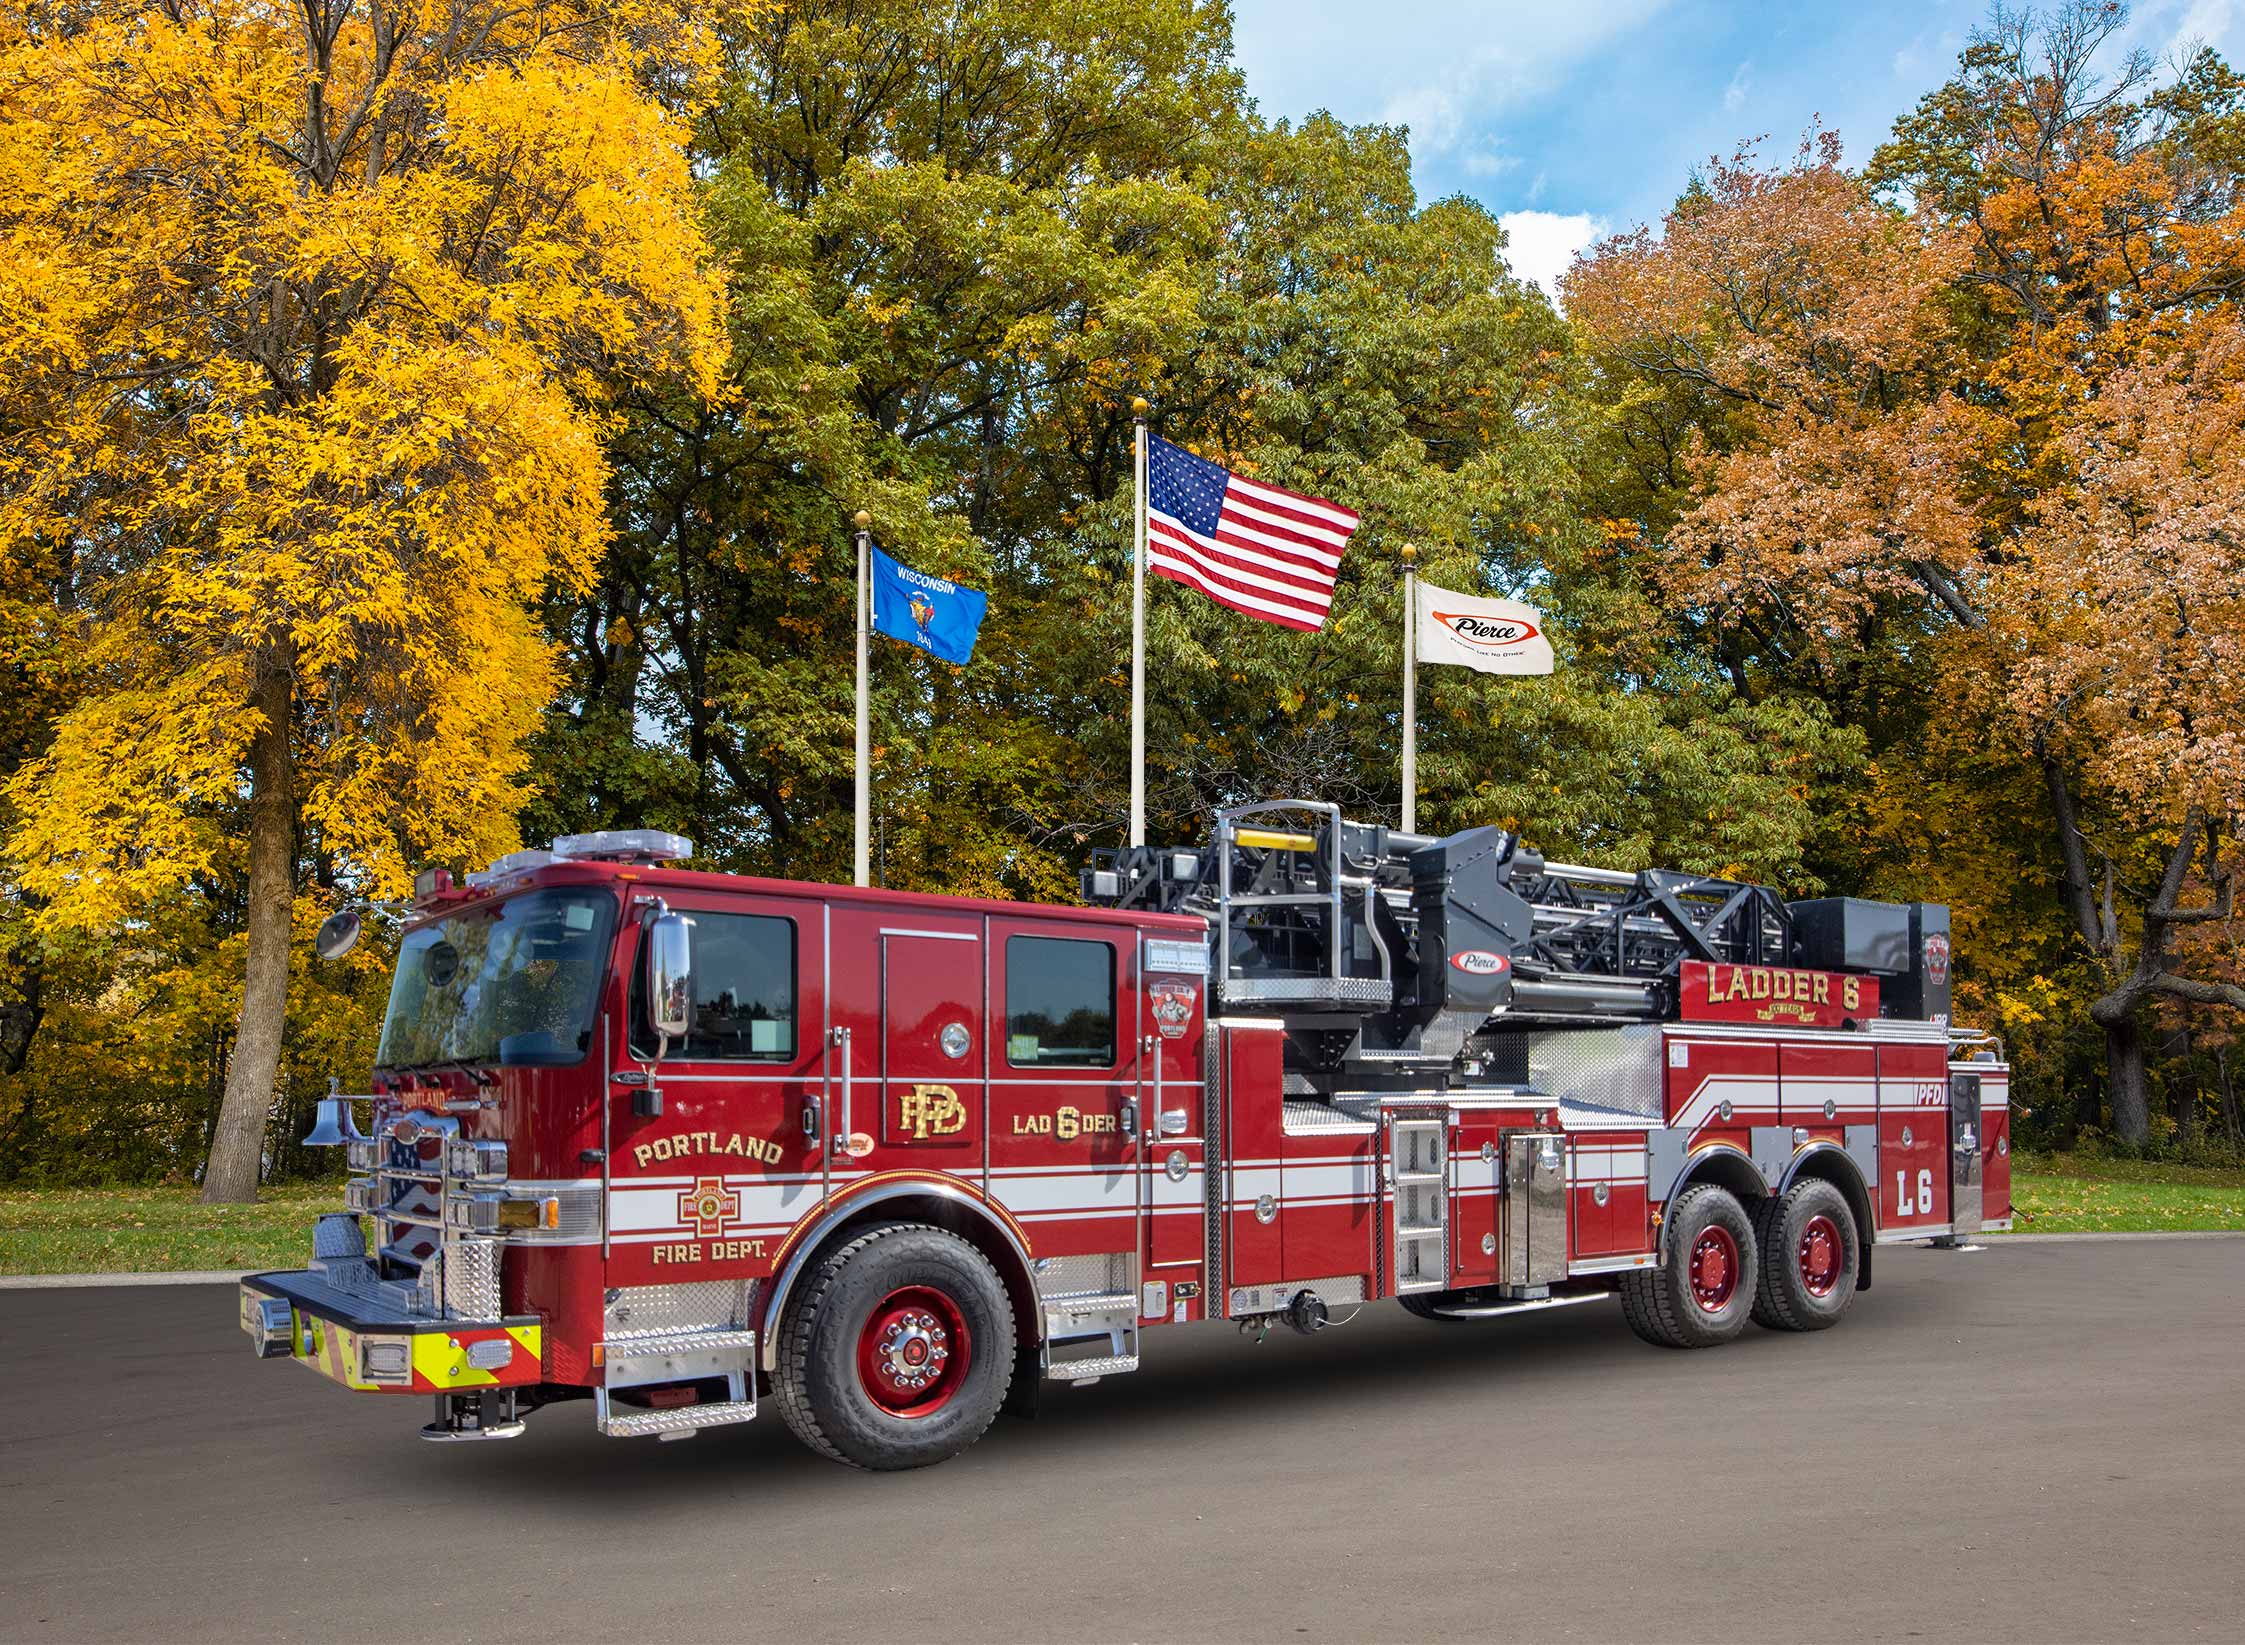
(466,1157)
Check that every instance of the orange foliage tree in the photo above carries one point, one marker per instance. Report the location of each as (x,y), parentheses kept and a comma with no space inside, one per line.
(1973,407)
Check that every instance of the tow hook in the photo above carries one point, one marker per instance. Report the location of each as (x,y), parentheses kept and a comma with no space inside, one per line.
(486,1414)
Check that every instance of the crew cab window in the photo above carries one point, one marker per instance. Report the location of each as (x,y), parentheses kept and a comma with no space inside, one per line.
(1060,1003)
(744,990)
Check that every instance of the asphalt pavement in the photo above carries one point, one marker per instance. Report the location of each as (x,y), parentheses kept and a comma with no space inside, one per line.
(2031,1442)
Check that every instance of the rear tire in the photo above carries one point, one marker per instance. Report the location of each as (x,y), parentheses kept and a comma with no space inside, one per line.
(1703,1292)
(1811,1250)
(1423,1303)
(898,1350)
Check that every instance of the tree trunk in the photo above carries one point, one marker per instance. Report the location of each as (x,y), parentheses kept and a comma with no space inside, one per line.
(2124,1072)
(238,1144)
(2229,1098)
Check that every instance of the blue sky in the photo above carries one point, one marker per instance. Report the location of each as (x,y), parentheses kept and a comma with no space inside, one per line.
(1574,118)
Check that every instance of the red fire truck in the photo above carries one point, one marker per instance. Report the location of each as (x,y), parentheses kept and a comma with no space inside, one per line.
(682,1143)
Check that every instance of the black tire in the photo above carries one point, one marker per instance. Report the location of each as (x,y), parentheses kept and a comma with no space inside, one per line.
(1424,1303)
(1664,1306)
(1810,1250)
(950,1292)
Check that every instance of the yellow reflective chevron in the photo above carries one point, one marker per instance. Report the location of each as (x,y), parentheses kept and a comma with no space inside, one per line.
(440,1361)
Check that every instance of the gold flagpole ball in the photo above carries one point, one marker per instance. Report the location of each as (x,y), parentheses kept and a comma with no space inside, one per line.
(1410,553)
(863,519)
(1139,408)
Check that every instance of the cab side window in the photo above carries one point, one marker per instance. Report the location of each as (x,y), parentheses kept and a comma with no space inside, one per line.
(1060,1003)
(744,991)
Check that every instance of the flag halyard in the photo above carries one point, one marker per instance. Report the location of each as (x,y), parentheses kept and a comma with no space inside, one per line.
(1261,550)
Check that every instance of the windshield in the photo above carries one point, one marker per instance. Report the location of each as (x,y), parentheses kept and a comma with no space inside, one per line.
(515,981)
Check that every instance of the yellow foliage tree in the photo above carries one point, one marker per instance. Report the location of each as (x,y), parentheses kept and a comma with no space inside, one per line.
(307,316)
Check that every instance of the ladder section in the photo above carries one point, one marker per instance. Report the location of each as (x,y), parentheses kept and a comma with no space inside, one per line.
(1419,1179)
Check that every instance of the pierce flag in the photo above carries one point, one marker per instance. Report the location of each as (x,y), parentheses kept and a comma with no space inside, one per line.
(1494,636)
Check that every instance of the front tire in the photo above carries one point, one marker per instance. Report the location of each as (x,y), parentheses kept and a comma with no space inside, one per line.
(1810,1253)
(898,1351)
(1703,1292)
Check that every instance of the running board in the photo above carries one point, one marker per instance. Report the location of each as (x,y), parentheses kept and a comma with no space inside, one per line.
(1492,1310)
(676,1359)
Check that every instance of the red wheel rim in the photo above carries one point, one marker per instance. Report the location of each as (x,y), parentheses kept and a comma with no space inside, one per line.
(1821,1254)
(914,1352)
(1714,1268)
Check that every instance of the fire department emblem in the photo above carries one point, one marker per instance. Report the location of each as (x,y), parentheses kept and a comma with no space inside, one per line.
(1173,1007)
(709,1205)
(1936,958)
(927,1111)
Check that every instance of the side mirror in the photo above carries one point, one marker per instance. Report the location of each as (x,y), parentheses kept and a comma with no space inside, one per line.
(337,935)
(670,977)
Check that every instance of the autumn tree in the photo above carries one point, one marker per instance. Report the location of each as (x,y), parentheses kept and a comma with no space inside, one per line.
(963,244)
(1906,401)
(312,315)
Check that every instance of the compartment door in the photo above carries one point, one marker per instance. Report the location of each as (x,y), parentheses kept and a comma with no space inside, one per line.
(1967,1159)
(1913,1186)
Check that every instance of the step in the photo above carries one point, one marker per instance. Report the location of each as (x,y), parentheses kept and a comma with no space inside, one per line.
(1091,1315)
(1415,1232)
(683,1419)
(659,1345)
(1526,1305)
(1090,1370)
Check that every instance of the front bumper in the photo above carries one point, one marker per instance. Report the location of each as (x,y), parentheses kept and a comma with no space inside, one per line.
(362,1343)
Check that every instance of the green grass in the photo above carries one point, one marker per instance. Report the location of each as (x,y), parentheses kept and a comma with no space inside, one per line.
(2076,1193)
(149,1230)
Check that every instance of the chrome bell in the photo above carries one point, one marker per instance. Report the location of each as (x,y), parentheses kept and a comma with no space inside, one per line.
(336,1125)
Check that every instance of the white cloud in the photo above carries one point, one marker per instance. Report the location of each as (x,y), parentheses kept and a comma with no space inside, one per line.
(1445,68)
(1734,94)
(2204,22)
(1540,244)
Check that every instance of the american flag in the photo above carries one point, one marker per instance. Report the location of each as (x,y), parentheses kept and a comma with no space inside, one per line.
(1270,553)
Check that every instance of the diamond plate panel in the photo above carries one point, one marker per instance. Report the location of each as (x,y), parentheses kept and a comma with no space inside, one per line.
(1078,1276)
(1357,991)
(471,1279)
(1269,1299)
(1615,1070)
(660,1310)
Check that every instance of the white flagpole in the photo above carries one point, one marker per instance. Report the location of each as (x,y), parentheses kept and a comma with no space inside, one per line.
(1410,692)
(1138,409)
(864,741)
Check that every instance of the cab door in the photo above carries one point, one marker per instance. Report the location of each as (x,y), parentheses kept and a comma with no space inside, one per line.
(713,1152)
(1064,1146)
